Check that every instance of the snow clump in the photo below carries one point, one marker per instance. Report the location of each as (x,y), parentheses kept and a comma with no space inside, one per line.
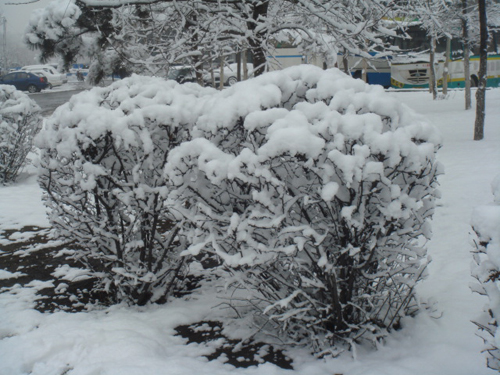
(101,170)
(311,190)
(315,191)
(52,22)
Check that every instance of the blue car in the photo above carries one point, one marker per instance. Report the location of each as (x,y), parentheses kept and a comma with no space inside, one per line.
(25,81)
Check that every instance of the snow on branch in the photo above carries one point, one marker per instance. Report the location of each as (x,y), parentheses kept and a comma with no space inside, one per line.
(310,193)
(486,225)
(20,120)
(148,36)
(102,159)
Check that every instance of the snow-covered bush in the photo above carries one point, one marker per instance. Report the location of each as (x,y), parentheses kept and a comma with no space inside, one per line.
(101,170)
(315,191)
(486,225)
(20,120)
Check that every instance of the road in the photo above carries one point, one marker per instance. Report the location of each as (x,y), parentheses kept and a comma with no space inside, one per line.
(49,100)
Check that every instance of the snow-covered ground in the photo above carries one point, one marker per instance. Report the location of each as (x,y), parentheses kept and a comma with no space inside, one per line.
(135,341)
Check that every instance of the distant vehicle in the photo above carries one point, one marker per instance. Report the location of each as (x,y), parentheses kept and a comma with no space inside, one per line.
(185,73)
(182,73)
(413,70)
(25,81)
(230,74)
(417,74)
(53,76)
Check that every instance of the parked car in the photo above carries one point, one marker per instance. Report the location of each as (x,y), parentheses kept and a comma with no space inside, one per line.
(25,81)
(185,73)
(53,76)
(182,73)
(230,75)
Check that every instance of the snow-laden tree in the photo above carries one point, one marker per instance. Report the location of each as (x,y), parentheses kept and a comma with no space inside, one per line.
(314,190)
(148,35)
(153,37)
(458,19)
(145,39)
(20,120)
(440,19)
(486,225)
(56,29)
(66,30)
(102,159)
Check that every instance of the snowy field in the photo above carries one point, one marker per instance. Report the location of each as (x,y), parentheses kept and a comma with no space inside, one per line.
(142,341)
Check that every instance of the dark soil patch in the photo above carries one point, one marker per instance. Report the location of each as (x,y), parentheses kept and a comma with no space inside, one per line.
(37,256)
(235,352)
(32,252)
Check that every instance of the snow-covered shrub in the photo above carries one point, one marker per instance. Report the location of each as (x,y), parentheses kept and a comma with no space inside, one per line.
(101,170)
(20,120)
(315,190)
(486,225)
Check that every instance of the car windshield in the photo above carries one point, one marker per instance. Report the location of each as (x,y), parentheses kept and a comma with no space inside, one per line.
(174,73)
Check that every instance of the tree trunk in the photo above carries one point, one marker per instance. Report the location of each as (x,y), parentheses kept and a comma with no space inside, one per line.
(196,58)
(221,73)
(345,61)
(465,37)
(481,89)
(238,66)
(245,65)
(212,75)
(446,73)
(364,73)
(255,41)
(432,68)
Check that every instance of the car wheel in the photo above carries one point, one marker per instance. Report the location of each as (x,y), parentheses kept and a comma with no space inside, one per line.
(32,89)
(50,86)
(232,80)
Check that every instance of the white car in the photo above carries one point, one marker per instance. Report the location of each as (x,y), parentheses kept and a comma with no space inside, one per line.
(53,76)
(230,74)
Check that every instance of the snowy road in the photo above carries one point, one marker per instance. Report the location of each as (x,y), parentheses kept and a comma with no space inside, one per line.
(50,100)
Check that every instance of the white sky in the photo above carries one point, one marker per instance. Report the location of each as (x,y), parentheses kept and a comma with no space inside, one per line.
(18,15)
